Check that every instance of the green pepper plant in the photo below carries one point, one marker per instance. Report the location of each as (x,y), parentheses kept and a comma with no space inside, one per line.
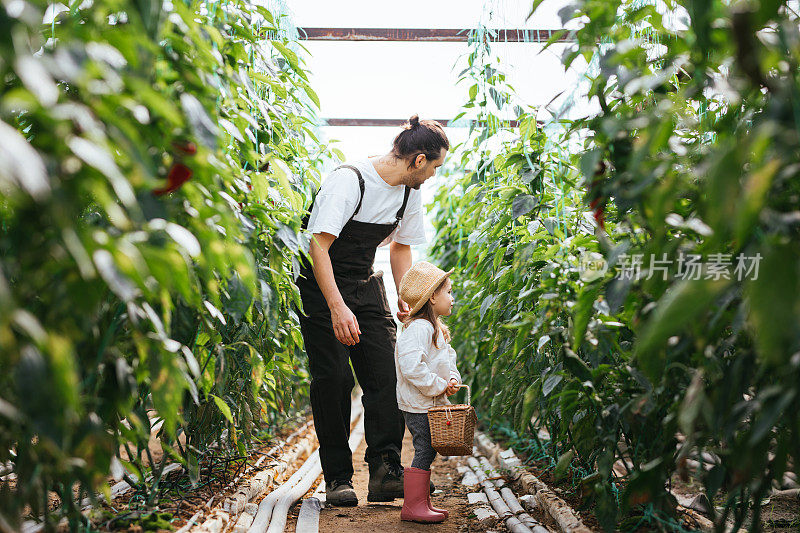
(640,288)
(154,160)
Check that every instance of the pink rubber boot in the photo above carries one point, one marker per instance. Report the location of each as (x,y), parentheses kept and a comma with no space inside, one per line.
(436,509)
(417,494)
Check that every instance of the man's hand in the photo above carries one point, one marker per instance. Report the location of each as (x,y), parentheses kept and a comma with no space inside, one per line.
(452,387)
(403,309)
(345,325)
(400,259)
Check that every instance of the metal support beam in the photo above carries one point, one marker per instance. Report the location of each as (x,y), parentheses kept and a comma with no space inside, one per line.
(426,35)
(398,122)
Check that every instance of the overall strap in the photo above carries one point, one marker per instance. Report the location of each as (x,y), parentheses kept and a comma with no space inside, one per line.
(360,186)
(360,199)
(402,207)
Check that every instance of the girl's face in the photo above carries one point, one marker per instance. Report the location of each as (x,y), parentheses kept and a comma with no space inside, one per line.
(442,300)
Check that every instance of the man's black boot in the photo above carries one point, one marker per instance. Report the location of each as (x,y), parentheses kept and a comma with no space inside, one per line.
(340,493)
(385,478)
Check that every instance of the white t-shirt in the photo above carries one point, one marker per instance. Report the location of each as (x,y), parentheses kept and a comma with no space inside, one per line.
(338,196)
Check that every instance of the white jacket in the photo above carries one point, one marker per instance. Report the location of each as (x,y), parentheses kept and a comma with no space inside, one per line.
(423,371)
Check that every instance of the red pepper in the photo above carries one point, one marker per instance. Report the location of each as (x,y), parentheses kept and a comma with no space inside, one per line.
(185,148)
(177,176)
(598,205)
(178,173)
(599,212)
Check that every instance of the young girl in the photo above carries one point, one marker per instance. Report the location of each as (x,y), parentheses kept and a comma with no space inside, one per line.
(426,374)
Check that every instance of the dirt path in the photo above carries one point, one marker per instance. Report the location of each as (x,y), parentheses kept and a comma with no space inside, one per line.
(385,517)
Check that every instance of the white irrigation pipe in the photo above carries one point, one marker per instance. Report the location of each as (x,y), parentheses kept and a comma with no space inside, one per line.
(267,505)
(279,514)
(294,493)
(195,520)
(504,502)
(497,501)
(567,520)
(120,488)
(275,506)
(308,519)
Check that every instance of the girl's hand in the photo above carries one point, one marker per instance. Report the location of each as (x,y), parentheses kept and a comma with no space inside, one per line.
(402,309)
(452,387)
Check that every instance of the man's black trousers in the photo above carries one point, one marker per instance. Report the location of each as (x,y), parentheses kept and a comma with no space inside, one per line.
(332,379)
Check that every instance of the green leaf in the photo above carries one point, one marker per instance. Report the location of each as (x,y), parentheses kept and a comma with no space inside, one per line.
(205,131)
(288,236)
(20,164)
(496,97)
(562,466)
(202,338)
(774,301)
(497,406)
(311,94)
(194,469)
(231,128)
(223,407)
(754,194)
(584,306)
(606,509)
(589,162)
(291,57)
(281,172)
(534,7)
(522,205)
(167,390)
(260,184)
(529,403)
(487,302)
(680,307)
(550,383)
(766,419)
(99,158)
(576,366)
(692,404)
(238,300)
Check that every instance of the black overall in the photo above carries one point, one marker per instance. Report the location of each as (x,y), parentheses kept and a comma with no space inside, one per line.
(352,256)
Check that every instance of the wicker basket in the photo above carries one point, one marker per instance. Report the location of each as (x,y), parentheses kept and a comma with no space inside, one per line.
(453,427)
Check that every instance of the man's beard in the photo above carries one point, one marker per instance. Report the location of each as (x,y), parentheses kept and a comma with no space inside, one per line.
(414,179)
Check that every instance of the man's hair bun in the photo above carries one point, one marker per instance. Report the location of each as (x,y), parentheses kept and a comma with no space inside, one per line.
(417,137)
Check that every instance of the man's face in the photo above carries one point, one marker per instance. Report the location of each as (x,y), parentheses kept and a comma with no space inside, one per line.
(427,169)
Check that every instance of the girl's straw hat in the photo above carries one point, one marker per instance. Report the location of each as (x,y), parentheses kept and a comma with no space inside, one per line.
(419,282)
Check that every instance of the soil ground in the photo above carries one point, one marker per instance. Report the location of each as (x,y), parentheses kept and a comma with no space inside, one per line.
(778,515)
(385,517)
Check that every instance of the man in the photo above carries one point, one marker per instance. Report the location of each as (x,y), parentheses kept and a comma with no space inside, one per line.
(360,207)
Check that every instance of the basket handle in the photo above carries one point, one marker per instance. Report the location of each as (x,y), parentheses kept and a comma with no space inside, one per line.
(469,393)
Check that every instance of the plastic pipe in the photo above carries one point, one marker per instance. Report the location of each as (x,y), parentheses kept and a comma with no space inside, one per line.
(504,503)
(268,503)
(279,514)
(312,468)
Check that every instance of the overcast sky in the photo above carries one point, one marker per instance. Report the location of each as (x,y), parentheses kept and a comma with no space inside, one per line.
(398,79)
